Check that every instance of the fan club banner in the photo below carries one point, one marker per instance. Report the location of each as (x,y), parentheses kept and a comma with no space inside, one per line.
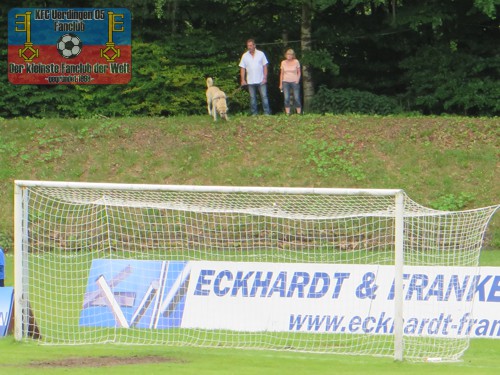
(78,46)
(246,296)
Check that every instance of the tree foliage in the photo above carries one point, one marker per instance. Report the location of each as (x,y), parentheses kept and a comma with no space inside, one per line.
(433,56)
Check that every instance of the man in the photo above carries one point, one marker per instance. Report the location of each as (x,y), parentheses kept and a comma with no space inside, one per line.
(253,73)
(2,267)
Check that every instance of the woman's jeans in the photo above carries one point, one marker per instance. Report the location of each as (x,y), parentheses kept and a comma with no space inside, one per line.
(291,87)
(252,89)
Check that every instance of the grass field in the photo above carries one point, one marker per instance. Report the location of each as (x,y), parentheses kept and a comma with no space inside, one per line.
(483,358)
(447,163)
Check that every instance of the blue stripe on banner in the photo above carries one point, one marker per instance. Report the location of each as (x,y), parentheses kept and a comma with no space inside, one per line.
(47,24)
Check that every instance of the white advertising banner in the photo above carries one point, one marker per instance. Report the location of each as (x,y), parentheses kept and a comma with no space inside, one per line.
(439,301)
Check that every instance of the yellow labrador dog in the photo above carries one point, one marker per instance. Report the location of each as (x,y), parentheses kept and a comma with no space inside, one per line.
(216,101)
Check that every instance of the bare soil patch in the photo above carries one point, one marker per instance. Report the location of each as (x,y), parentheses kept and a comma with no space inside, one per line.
(107,361)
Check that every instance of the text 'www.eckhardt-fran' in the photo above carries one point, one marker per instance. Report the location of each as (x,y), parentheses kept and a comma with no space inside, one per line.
(442,325)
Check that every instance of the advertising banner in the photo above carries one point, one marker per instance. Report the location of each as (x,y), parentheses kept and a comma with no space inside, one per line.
(6,307)
(125,293)
(318,298)
(79,46)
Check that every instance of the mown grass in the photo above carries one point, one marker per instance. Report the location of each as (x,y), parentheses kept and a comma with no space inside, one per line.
(29,359)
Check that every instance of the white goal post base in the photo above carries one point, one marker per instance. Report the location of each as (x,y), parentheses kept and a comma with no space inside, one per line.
(345,271)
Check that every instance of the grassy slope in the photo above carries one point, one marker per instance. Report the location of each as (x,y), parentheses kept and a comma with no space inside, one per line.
(440,160)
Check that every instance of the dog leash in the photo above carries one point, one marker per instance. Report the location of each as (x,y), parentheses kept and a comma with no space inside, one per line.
(242,87)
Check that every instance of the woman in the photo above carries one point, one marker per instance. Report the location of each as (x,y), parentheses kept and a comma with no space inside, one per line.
(289,80)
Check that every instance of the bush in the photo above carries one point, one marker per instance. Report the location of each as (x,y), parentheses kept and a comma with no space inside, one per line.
(452,202)
(353,101)
(442,80)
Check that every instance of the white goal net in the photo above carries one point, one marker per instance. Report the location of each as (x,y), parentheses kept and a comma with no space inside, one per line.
(344,271)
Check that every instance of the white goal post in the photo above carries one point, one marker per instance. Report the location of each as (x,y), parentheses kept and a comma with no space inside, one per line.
(343,271)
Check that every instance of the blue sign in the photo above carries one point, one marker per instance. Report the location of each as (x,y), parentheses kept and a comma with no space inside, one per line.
(135,293)
(6,307)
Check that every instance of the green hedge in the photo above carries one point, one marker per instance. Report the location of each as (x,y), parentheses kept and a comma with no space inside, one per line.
(341,101)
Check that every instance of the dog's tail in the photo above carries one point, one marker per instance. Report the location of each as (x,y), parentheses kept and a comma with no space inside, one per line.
(210,82)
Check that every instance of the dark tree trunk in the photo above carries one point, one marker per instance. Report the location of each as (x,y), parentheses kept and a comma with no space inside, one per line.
(307,81)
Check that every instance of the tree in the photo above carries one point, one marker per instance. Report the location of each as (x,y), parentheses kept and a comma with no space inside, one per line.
(305,37)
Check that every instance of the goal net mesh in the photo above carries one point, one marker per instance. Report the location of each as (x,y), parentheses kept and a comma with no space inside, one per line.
(84,250)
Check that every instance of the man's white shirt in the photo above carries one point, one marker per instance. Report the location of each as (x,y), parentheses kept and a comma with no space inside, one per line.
(254,66)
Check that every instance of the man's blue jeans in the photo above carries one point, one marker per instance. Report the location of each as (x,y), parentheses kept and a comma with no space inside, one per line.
(252,89)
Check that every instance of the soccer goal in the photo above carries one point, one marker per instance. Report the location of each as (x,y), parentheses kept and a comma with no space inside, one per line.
(344,271)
